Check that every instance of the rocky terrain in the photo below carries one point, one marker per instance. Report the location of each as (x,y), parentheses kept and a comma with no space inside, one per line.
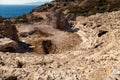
(53,46)
(95,55)
(81,7)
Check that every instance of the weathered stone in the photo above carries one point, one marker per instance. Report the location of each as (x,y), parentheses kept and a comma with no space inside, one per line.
(40,15)
(66,12)
(27,18)
(24,34)
(58,20)
(115,75)
(81,61)
(8,45)
(8,30)
(71,17)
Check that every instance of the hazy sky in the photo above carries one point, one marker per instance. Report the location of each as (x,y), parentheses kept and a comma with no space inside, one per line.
(19,1)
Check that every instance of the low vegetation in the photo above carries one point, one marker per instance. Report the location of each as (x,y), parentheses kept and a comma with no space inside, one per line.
(98,6)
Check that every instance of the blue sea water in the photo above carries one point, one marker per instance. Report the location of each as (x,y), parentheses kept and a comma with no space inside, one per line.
(8,11)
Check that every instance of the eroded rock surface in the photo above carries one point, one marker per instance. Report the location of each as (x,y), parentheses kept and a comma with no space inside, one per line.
(95,57)
(7,29)
(8,45)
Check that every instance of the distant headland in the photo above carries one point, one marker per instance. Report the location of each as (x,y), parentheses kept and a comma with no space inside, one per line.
(16,10)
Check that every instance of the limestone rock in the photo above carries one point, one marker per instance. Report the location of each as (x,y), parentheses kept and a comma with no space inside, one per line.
(115,75)
(8,30)
(8,45)
(71,16)
(96,57)
(40,15)
(66,12)
(27,18)
(58,20)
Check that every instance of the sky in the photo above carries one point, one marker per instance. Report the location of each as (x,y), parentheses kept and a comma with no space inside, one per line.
(20,1)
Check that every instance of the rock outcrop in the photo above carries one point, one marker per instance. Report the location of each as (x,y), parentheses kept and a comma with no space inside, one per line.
(58,20)
(95,57)
(91,51)
(42,15)
(8,45)
(81,7)
(8,37)
(48,40)
(7,29)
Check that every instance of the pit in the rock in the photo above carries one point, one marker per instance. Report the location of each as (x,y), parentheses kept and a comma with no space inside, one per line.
(11,78)
(101,32)
(47,46)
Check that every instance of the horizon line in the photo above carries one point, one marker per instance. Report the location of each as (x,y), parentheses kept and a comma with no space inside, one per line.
(23,4)
(30,3)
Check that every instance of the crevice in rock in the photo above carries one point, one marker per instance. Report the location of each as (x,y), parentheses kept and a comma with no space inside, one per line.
(47,46)
(101,33)
(24,47)
(2,63)
(20,64)
(96,46)
(9,49)
(11,78)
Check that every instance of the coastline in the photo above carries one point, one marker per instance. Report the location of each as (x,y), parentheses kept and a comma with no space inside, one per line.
(10,11)
(62,41)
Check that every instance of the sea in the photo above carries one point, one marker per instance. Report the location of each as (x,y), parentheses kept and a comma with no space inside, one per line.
(8,11)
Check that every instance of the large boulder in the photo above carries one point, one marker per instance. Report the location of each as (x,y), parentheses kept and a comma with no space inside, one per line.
(7,29)
(58,20)
(8,45)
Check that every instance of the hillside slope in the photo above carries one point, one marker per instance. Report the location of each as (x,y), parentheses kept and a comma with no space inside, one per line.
(97,57)
(81,7)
